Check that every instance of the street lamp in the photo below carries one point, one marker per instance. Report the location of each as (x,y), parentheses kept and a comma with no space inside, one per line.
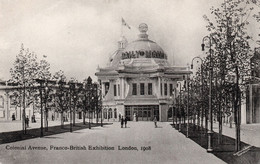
(46,91)
(41,97)
(74,109)
(210,131)
(41,86)
(178,83)
(71,87)
(100,104)
(187,87)
(172,107)
(202,89)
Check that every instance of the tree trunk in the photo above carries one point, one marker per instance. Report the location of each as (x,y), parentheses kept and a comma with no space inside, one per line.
(84,117)
(74,115)
(62,120)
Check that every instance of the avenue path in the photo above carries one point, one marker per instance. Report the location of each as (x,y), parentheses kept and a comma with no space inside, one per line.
(167,146)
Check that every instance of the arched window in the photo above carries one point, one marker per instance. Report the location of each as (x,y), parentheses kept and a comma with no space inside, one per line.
(105,113)
(1,101)
(115,113)
(110,113)
(13,101)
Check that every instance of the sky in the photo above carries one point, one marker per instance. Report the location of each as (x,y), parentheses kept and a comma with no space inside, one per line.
(77,36)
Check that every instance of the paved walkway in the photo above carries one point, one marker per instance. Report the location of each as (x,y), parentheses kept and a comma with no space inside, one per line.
(163,145)
(8,126)
(250,133)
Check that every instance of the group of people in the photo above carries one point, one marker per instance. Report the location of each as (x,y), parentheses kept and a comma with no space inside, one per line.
(123,121)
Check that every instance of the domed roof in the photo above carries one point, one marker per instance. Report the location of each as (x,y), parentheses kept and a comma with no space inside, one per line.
(143,47)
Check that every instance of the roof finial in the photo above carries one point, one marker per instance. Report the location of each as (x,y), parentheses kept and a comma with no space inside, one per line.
(143,28)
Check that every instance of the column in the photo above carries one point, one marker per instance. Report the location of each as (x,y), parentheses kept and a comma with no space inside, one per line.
(159,86)
(6,106)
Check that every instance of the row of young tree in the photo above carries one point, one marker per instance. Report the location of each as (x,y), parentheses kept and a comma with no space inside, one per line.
(37,87)
(225,72)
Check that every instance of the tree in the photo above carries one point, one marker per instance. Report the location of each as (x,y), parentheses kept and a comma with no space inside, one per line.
(26,69)
(231,53)
(62,97)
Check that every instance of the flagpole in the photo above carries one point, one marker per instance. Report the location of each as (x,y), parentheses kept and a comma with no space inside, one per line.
(121,29)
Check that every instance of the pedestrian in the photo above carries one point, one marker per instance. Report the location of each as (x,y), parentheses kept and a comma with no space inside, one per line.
(27,121)
(155,121)
(52,117)
(125,121)
(119,117)
(13,117)
(122,121)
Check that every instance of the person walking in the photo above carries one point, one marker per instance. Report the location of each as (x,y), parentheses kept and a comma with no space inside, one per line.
(27,122)
(13,117)
(125,121)
(122,121)
(155,121)
(119,117)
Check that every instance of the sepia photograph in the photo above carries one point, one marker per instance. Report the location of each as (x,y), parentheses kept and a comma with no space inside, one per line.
(130,81)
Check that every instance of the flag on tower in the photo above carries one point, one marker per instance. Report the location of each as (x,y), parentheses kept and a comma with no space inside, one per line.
(125,24)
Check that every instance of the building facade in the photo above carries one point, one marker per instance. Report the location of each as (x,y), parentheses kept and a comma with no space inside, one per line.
(253,91)
(8,103)
(139,82)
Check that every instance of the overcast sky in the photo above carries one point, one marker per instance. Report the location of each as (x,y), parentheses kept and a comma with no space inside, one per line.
(78,35)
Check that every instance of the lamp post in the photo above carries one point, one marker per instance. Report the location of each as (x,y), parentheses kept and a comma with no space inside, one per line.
(179,106)
(41,97)
(41,109)
(172,107)
(71,87)
(45,105)
(21,66)
(89,93)
(74,109)
(100,105)
(210,131)
(202,89)
(187,87)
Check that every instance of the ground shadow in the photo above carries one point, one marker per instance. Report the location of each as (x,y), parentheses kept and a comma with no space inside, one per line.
(225,149)
(8,137)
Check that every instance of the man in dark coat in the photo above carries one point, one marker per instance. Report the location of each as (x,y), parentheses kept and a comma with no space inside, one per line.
(155,121)
(122,121)
(27,122)
(125,121)
(13,117)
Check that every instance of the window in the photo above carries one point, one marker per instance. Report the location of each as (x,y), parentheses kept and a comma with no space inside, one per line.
(134,91)
(115,113)
(165,89)
(171,89)
(150,88)
(110,113)
(161,88)
(105,113)
(118,90)
(141,88)
(13,101)
(114,90)
(106,88)
(1,101)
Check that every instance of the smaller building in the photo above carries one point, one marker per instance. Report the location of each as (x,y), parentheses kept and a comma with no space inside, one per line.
(9,105)
(253,91)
